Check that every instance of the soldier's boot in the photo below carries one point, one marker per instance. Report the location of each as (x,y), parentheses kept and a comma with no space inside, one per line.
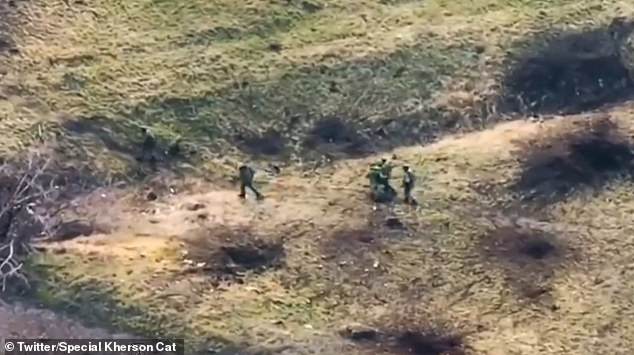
(257,193)
(408,197)
(243,193)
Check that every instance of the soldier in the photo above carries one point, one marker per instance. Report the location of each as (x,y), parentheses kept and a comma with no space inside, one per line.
(148,147)
(375,174)
(384,174)
(386,171)
(246,175)
(408,185)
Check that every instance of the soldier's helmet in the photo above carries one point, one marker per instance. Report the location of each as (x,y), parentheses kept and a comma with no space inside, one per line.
(406,167)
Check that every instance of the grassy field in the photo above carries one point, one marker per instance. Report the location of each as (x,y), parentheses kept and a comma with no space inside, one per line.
(520,244)
(254,78)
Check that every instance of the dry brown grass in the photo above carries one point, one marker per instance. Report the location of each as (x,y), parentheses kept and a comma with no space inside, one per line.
(431,272)
(114,66)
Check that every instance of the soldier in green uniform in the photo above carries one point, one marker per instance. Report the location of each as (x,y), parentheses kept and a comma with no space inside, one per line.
(246,174)
(386,174)
(375,175)
(148,147)
(379,175)
(408,185)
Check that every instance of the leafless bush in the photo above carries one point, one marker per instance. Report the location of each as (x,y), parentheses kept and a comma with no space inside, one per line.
(29,208)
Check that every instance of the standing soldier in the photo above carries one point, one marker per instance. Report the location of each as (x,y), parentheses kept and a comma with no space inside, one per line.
(408,185)
(375,175)
(148,147)
(386,173)
(246,174)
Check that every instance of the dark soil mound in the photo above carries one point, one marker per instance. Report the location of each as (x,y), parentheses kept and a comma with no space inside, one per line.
(567,73)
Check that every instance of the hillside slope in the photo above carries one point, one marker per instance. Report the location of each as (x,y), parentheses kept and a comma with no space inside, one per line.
(270,79)
(520,243)
(544,276)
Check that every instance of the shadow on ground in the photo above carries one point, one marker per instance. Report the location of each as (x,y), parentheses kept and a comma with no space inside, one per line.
(570,72)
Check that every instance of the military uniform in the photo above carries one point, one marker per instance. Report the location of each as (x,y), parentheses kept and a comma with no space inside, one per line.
(246,175)
(148,147)
(381,172)
(408,185)
(375,175)
(386,174)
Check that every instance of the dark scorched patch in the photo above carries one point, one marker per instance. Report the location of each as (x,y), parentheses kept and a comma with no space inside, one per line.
(334,134)
(588,157)
(570,72)
(228,253)
(528,258)
(430,339)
